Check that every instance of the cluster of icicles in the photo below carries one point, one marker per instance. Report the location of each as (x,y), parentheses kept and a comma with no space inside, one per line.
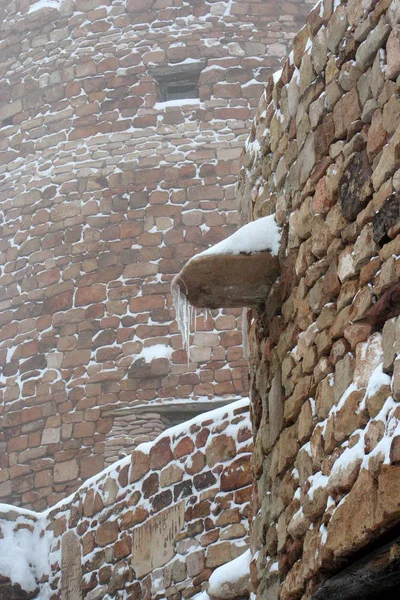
(186,317)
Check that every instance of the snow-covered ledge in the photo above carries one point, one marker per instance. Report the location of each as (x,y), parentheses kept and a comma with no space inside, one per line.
(239,271)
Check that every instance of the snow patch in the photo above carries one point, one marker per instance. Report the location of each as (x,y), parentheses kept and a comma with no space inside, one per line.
(377,380)
(177,102)
(44,4)
(231,572)
(156,351)
(257,236)
(24,554)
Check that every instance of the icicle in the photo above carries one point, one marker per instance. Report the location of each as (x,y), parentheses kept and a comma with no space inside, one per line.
(245,333)
(183,314)
(195,319)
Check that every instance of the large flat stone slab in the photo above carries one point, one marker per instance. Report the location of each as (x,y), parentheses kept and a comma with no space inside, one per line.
(71,569)
(153,542)
(228,280)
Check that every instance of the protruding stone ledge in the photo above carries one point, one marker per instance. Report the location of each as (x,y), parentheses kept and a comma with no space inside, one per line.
(237,272)
(228,281)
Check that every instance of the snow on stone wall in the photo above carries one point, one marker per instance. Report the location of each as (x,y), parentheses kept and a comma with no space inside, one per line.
(105,191)
(324,156)
(155,524)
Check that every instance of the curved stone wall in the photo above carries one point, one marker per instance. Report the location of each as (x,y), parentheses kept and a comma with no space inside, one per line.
(105,191)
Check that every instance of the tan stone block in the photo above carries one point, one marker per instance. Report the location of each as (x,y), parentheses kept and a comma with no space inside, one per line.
(314,505)
(43,478)
(221,553)
(354,520)
(92,503)
(346,110)
(288,447)
(294,403)
(392,69)
(343,375)
(325,397)
(391,114)
(299,44)
(388,504)
(388,162)
(107,533)
(298,525)
(373,435)
(221,449)
(349,417)
(66,471)
(85,429)
(171,474)
(336,28)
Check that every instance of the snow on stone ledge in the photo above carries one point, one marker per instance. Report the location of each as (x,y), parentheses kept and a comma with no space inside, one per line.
(258,236)
(179,102)
(44,4)
(230,580)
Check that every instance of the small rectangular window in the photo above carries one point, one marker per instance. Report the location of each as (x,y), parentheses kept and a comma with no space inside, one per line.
(180,81)
(175,90)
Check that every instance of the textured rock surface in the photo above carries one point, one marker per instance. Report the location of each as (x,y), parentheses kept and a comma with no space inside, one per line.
(327,469)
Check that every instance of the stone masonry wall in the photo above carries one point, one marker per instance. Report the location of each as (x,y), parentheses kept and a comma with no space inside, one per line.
(152,526)
(324,156)
(105,191)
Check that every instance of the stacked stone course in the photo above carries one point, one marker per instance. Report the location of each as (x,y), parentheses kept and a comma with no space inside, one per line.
(324,156)
(202,469)
(105,192)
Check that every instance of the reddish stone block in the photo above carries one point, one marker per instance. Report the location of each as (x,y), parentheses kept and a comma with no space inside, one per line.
(184,447)
(377,135)
(150,485)
(107,533)
(140,465)
(236,475)
(134,517)
(122,548)
(160,454)
(58,303)
(90,295)
(197,463)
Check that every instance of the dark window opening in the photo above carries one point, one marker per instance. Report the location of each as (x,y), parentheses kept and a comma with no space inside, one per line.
(175,90)
(176,82)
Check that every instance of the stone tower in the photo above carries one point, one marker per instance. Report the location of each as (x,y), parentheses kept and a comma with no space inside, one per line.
(122,123)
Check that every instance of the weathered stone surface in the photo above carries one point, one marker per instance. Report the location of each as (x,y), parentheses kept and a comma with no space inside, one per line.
(237,475)
(215,280)
(354,186)
(354,520)
(346,111)
(367,50)
(386,217)
(393,52)
(71,570)
(153,542)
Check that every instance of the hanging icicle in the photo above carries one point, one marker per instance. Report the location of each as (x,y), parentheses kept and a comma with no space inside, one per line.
(245,333)
(183,315)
